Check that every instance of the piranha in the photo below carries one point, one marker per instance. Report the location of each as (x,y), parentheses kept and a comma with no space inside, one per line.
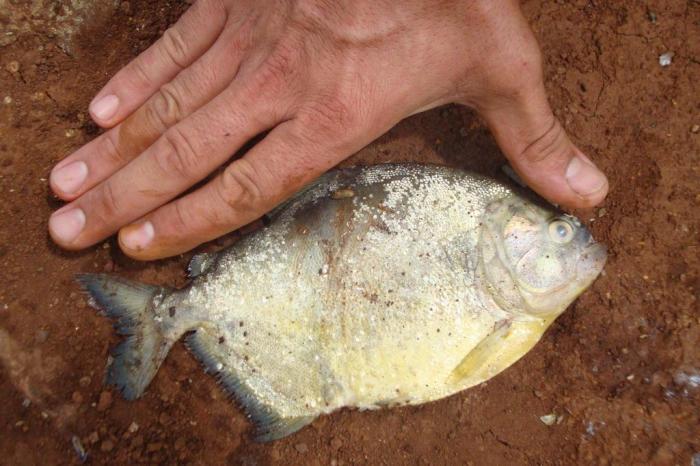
(374,286)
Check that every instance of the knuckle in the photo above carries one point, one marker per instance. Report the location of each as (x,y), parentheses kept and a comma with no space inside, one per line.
(330,117)
(181,217)
(113,150)
(175,47)
(549,147)
(178,156)
(277,72)
(109,204)
(166,108)
(240,187)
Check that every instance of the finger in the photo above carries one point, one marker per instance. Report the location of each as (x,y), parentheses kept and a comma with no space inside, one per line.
(188,91)
(270,172)
(179,46)
(182,156)
(541,152)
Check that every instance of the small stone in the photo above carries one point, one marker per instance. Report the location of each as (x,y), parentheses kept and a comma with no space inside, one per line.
(665,59)
(13,66)
(107,445)
(84,381)
(602,211)
(7,100)
(93,438)
(70,133)
(549,419)
(180,443)
(79,449)
(26,402)
(105,401)
(336,443)
(77,397)
(133,428)
(695,129)
(301,448)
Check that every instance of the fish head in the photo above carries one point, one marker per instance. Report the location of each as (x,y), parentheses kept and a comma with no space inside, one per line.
(536,259)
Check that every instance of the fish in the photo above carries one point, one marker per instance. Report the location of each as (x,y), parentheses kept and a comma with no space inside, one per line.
(375,286)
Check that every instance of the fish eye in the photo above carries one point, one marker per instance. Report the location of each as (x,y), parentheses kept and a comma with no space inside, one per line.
(561,231)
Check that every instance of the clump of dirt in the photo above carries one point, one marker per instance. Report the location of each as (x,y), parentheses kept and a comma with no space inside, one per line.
(619,371)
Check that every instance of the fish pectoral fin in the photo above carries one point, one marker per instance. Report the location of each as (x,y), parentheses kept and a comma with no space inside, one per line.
(269,423)
(199,264)
(509,341)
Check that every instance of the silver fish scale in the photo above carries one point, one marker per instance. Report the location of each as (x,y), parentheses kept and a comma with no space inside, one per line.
(363,299)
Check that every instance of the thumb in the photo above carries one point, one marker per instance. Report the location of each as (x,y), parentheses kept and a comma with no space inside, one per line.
(540,151)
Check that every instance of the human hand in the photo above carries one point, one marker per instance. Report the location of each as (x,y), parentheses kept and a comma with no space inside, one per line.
(325,78)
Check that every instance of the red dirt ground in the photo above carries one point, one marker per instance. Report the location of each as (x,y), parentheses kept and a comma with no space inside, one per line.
(616,368)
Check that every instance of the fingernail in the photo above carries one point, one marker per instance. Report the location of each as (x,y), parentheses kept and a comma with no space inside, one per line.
(66,226)
(105,108)
(70,178)
(138,236)
(583,177)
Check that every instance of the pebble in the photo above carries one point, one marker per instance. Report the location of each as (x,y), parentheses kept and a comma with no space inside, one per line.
(107,445)
(7,100)
(336,443)
(549,419)
(695,129)
(93,438)
(180,443)
(105,401)
(77,397)
(665,59)
(301,447)
(84,381)
(78,447)
(13,66)
(133,428)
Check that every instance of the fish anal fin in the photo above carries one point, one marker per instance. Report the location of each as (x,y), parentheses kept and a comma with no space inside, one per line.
(270,424)
(508,342)
(199,264)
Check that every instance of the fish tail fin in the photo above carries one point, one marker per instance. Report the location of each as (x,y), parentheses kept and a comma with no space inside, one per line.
(137,359)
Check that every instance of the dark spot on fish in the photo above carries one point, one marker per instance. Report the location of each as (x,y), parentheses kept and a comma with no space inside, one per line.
(240,324)
(171,311)
(245,334)
(245,357)
(403,274)
(438,330)
(221,340)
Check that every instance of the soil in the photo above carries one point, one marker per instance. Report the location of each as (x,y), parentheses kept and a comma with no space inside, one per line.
(619,370)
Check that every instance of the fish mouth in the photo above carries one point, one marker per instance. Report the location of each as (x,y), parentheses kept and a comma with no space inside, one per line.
(593,259)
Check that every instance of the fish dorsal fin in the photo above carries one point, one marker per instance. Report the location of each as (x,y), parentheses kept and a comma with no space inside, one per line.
(508,342)
(270,424)
(199,264)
